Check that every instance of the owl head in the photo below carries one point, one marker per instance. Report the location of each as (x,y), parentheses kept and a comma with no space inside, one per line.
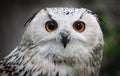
(64,30)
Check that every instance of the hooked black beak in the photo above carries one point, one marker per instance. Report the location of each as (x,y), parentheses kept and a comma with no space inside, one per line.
(64,39)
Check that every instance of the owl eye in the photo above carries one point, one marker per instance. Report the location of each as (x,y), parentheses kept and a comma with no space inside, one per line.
(79,26)
(51,26)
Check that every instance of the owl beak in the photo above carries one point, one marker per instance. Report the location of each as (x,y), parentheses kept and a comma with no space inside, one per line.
(64,39)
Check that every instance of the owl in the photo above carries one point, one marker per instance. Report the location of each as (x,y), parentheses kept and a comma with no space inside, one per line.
(57,42)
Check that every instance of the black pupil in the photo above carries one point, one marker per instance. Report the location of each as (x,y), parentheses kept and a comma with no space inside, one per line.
(51,26)
(78,26)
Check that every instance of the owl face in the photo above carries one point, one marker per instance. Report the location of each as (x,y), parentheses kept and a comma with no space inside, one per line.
(65,29)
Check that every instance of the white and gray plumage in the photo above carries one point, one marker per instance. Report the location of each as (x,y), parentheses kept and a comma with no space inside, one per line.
(57,42)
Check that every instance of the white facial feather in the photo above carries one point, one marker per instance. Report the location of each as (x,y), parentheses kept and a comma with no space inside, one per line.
(45,45)
(38,33)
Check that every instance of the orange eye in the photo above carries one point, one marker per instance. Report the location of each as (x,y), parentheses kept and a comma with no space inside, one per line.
(79,26)
(51,26)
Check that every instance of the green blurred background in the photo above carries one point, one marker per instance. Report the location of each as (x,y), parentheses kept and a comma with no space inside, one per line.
(14,13)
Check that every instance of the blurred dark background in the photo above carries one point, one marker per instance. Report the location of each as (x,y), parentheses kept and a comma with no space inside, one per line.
(14,13)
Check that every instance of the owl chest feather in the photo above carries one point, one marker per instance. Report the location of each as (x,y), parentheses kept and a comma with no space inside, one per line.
(49,65)
(56,68)
(33,62)
(48,69)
